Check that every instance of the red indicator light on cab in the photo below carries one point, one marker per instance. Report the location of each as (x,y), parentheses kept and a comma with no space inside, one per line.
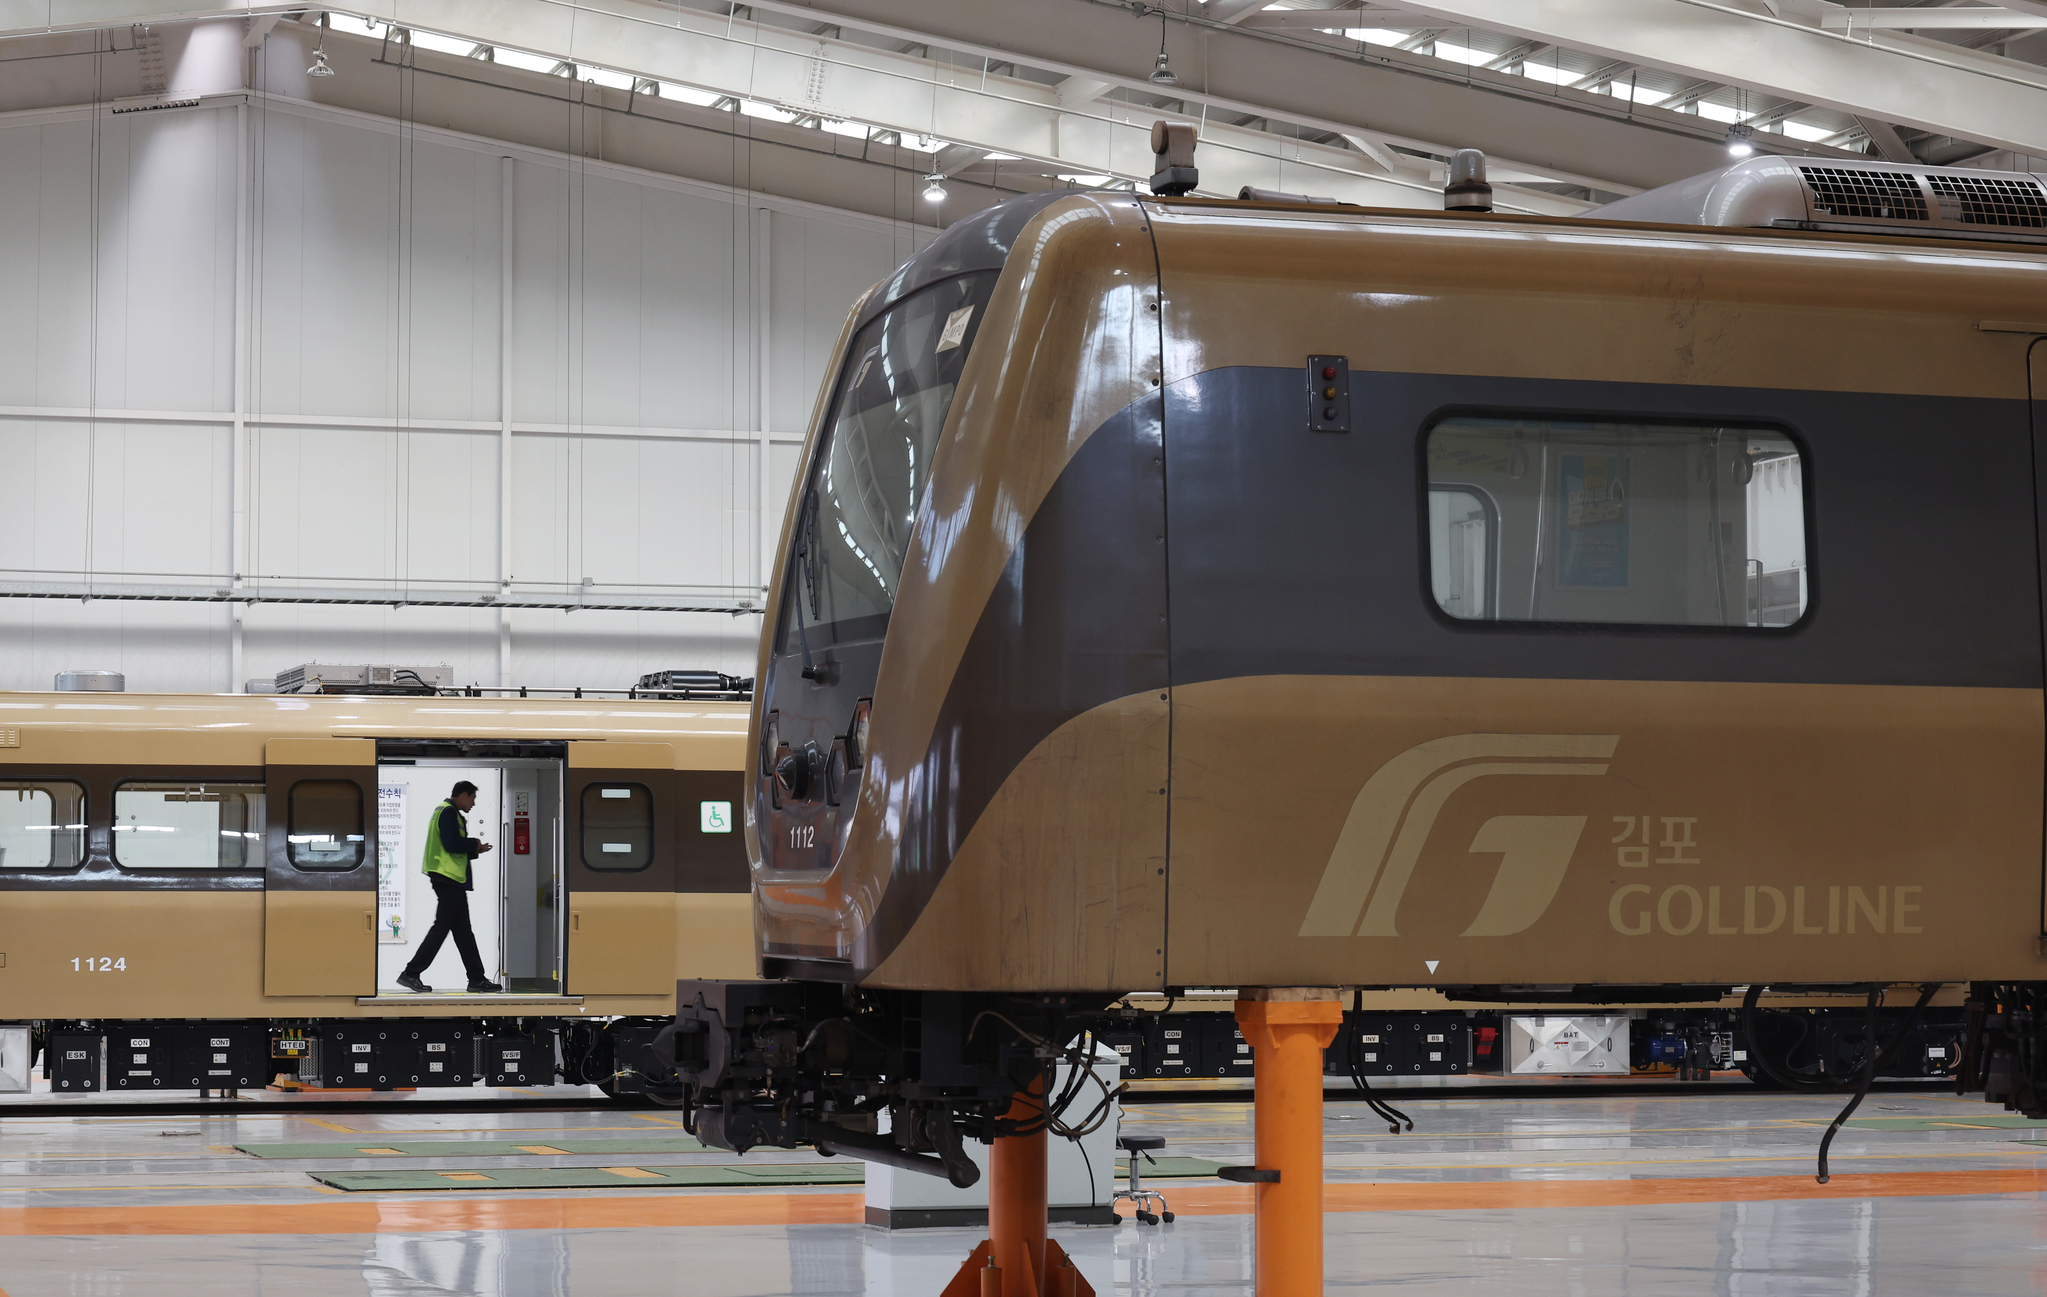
(1329,371)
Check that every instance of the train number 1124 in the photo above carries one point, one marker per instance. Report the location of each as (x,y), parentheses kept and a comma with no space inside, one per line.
(99,964)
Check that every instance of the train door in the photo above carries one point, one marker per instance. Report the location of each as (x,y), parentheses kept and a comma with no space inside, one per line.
(620,812)
(320,878)
(530,913)
(2036,391)
(513,901)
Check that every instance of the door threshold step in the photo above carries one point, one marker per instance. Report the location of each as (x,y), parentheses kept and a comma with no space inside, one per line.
(463,997)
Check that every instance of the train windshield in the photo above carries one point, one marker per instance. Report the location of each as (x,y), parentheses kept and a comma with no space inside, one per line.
(861,504)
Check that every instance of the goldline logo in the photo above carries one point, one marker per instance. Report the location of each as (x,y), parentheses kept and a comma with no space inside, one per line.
(1389,823)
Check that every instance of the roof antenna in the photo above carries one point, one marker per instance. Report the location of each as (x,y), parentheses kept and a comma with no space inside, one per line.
(1172,143)
(1467,190)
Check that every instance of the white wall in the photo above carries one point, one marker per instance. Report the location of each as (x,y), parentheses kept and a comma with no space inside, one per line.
(296,311)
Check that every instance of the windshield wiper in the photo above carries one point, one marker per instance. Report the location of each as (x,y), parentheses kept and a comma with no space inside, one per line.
(806,544)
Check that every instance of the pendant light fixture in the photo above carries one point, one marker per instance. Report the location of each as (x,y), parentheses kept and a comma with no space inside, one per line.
(320,68)
(1161,73)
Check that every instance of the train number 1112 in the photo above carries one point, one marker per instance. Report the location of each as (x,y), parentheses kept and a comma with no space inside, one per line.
(100,964)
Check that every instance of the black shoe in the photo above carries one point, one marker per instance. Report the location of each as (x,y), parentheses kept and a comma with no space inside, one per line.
(482,987)
(411,982)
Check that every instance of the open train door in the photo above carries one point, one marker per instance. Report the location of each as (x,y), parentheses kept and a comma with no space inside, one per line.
(320,871)
(620,849)
(2036,392)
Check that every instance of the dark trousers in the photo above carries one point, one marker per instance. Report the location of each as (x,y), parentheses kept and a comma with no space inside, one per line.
(451,916)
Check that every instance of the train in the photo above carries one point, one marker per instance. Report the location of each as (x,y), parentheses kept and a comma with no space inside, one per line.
(215,891)
(1634,609)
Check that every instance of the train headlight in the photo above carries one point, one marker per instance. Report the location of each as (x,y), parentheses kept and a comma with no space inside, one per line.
(856,735)
(792,773)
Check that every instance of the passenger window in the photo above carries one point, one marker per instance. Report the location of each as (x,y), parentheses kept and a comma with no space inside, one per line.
(618,826)
(42,824)
(1625,523)
(326,829)
(196,824)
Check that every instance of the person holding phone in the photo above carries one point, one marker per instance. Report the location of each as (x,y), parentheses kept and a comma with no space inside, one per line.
(449,849)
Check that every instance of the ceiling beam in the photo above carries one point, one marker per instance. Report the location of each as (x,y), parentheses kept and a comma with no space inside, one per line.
(1889,146)
(1233,11)
(1530,130)
(1517,56)
(1427,104)
(1330,19)
(1882,74)
(1970,16)
(909,94)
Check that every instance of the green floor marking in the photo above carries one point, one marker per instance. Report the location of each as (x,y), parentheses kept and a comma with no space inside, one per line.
(1961,1121)
(597,1177)
(635,1146)
(1168,1168)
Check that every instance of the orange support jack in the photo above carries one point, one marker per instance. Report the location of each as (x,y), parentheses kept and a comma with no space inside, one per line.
(1288,1028)
(1016,1259)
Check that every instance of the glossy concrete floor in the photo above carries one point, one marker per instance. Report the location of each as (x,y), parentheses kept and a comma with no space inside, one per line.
(1533,1194)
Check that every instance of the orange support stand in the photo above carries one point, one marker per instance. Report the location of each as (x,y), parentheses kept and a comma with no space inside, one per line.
(1016,1259)
(1288,1028)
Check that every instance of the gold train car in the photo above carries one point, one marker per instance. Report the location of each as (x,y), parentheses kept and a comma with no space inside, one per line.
(1191,593)
(257,858)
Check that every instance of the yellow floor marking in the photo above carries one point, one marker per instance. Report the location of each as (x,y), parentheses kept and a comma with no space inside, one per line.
(540,1148)
(635,1172)
(218,1148)
(1774,1123)
(1804,1156)
(382,1152)
(327,1188)
(462,1175)
(328,1125)
(664,1121)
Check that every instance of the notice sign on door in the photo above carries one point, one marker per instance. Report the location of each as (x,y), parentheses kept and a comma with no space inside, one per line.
(391,875)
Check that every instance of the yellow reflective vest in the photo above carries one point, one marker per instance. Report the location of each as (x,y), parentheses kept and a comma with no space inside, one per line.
(440,860)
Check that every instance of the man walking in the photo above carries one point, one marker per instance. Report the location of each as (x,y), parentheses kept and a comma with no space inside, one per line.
(449,849)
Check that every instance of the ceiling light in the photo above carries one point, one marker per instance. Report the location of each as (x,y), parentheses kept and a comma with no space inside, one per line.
(1738,140)
(934,188)
(1161,75)
(320,68)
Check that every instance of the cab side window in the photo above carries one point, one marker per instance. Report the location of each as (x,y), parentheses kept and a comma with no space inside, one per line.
(1638,523)
(42,824)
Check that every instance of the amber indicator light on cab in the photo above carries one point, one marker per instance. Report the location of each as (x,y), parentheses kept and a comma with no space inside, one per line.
(1328,394)
(856,734)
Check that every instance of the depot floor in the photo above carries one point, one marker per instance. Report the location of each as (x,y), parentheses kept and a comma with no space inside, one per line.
(1528,1195)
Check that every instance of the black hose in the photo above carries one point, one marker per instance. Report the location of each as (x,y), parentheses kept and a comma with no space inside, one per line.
(1392,1116)
(1869,1055)
(1788,1079)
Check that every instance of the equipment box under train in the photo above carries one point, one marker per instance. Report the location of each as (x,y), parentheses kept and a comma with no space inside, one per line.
(186,1055)
(72,1062)
(514,1060)
(433,1052)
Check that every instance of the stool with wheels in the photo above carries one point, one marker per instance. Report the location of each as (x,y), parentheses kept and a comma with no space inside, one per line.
(1140,1147)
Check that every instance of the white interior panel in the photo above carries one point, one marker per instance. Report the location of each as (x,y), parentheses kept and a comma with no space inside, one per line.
(354,267)
(46,262)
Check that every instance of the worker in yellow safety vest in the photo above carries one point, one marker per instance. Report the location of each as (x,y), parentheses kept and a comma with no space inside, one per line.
(449,849)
